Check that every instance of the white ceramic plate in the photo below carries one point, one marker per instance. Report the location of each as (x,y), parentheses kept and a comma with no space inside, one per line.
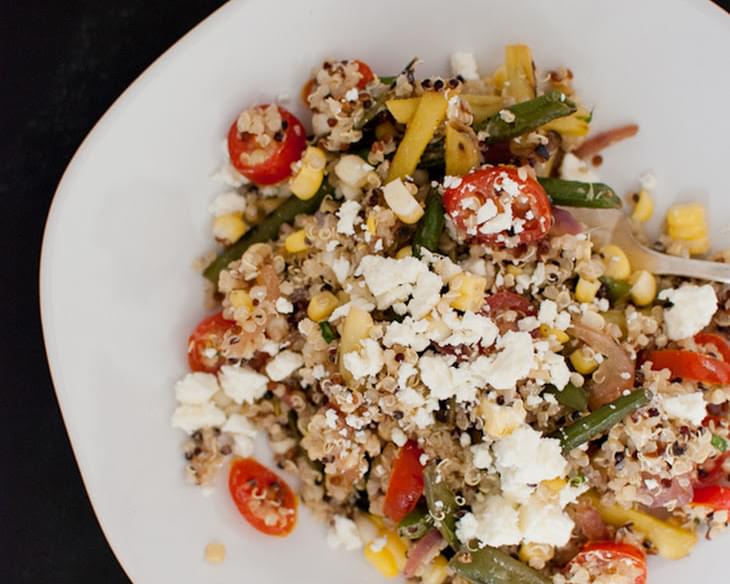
(118,292)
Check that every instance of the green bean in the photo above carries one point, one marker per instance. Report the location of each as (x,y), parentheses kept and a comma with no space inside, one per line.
(528,116)
(616,290)
(378,104)
(570,396)
(492,566)
(431,226)
(442,505)
(600,421)
(328,333)
(416,524)
(267,230)
(719,442)
(573,193)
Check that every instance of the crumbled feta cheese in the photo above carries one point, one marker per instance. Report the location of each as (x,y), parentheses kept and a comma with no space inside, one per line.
(513,362)
(469,329)
(390,280)
(557,368)
(347,213)
(243,433)
(507,116)
(524,458)
(367,361)
(341,268)
(562,320)
(284,306)
(495,524)
(499,223)
(352,94)
(411,398)
(423,418)
(528,324)
(405,372)
(481,456)
(228,202)
(648,181)
(501,420)
(196,388)
(398,437)
(194,417)
(270,347)
(464,64)
(283,365)
(436,375)
(545,523)
(409,333)
(692,309)
(242,384)
(343,534)
(451,182)
(426,294)
(573,168)
(690,407)
(228,175)
(548,312)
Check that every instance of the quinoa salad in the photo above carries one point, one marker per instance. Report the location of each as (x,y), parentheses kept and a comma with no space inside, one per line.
(454,375)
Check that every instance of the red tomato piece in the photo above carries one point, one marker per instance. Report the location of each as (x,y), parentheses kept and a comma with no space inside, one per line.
(205,342)
(690,365)
(366,74)
(276,158)
(712,473)
(714,496)
(264,500)
(720,342)
(601,555)
(406,482)
(502,186)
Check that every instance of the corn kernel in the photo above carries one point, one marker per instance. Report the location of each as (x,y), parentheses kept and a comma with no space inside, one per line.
(389,556)
(306,182)
(321,305)
(585,290)
(371,224)
(583,361)
(555,485)
(499,77)
(644,207)
(436,572)
(466,291)
(229,228)
(215,553)
(514,270)
(241,299)
(402,202)
(686,221)
(698,246)
(643,288)
(404,252)
(296,242)
(616,263)
(548,331)
(382,560)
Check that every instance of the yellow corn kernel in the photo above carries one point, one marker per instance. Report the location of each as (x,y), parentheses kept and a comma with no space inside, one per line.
(306,182)
(404,252)
(229,228)
(670,541)
(514,270)
(241,299)
(585,290)
(402,202)
(321,305)
(644,207)
(583,361)
(686,221)
(215,553)
(617,265)
(387,553)
(382,560)
(698,246)
(520,72)
(549,331)
(436,572)
(385,131)
(499,77)
(296,242)
(643,287)
(466,291)
(371,224)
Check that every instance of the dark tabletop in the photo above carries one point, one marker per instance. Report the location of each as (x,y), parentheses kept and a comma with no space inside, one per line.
(62,64)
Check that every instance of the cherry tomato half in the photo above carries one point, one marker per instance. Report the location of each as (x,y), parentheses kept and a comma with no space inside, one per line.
(690,365)
(366,74)
(264,500)
(406,482)
(714,496)
(277,157)
(478,204)
(600,555)
(712,473)
(205,342)
(720,342)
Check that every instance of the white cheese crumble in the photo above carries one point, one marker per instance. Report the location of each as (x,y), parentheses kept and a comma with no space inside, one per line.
(690,407)
(524,458)
(347,213)
(545,523)
(390,280)
(242,384)
(469,329)
(548,312)
(692,309)
(283,365)
(228,202)
(243,433)
(481,456)
(573,168)
(194,417)
(365,362)
(341,268)
(343,534)
(283,306)
(464,64)
(398,437)
(196,388)
(496,524)
(513,362)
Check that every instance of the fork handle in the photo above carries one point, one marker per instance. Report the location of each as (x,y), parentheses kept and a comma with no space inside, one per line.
(659,263)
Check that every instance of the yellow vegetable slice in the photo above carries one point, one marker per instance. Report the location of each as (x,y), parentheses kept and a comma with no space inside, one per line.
(575,124)
(403,109)
(520,73)
(483,106)
(462,153)
(430,112)
(671,542)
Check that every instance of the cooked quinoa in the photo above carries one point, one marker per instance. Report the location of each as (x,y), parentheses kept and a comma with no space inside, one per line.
(378,325)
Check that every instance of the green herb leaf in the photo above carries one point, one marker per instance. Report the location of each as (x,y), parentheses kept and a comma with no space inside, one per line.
(328,333)
(719,442)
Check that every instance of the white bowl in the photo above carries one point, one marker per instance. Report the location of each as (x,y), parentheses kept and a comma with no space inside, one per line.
(119,295)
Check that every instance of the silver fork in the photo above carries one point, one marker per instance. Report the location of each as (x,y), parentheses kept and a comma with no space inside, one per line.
(612,225)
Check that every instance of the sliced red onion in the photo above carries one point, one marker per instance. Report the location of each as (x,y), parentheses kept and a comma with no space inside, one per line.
(565,223)
(422,552)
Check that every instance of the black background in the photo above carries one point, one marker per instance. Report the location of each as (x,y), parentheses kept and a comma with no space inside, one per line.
(62,64)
